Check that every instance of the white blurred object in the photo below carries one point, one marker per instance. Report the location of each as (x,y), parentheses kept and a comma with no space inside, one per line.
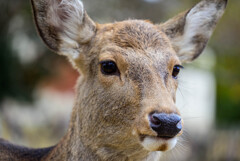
(22,44)
(49,106)
(51,109)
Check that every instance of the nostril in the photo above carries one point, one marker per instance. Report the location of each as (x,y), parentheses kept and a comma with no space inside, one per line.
(154,120)
(179,125)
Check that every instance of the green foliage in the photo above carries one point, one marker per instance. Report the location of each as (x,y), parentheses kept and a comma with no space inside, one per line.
(228,87)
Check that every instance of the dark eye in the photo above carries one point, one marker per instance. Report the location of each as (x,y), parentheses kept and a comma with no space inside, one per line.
(176,70)
(109,67)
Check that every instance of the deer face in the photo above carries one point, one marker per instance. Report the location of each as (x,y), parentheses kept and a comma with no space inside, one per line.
(132,75)
(126,91)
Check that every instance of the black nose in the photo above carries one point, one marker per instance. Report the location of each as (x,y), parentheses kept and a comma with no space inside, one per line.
(166,125)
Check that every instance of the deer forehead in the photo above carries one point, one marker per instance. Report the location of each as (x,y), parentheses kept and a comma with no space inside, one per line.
(135,45)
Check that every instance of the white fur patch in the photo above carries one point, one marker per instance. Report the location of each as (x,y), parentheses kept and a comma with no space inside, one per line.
(153,144)
(154,156)
(67,11)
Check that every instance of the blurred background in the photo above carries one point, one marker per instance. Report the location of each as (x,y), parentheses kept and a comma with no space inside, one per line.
(37,86)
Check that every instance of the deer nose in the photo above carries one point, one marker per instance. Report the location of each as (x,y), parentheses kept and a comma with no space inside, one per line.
(165,125)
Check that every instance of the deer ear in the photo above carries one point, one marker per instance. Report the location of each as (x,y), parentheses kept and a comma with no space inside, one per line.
(190,31)
(63,25)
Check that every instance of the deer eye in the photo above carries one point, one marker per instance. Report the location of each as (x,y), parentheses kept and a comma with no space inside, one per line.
(176,70)
(109,67)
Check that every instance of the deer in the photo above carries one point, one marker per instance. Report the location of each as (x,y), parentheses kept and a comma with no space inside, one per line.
(124,107)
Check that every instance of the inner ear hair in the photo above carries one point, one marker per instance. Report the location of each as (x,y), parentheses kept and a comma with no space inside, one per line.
(190,31)
(63,25)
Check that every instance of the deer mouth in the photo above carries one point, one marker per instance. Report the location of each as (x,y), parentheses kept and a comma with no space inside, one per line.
(157,143)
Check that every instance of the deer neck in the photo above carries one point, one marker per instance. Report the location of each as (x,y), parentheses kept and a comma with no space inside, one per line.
(73,146)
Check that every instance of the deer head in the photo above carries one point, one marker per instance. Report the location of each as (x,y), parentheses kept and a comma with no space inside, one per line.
(125,99)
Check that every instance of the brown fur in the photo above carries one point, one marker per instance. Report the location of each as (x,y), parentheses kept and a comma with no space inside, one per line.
(110,116)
